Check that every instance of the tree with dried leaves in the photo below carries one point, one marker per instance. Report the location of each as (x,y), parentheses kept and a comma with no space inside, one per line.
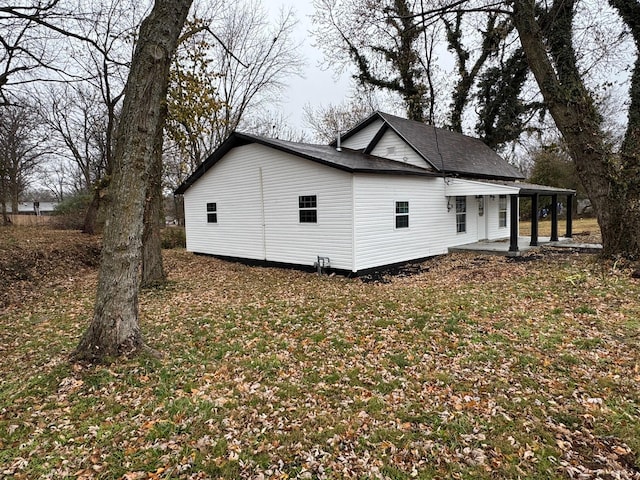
(115,329)
(229,65)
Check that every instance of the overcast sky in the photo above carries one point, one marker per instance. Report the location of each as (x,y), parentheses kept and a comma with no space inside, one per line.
(318,86)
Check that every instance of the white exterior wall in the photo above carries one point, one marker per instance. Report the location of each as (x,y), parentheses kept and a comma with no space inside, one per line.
(393,147)
(494,230)
(432,229)
(234,185)
(361,139)
(487,226)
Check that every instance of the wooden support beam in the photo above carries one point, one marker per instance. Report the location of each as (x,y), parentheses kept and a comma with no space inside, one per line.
(554,218)
(569,233)
(534,220)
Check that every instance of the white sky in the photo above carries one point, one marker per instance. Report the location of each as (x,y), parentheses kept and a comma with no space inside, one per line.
(318,86)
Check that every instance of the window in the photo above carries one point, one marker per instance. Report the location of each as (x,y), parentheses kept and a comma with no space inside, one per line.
(212,213)
(502,211)
(461,214)
(308,205)
(402,214)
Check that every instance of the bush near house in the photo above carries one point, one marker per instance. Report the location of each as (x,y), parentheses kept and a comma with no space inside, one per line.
(173,237)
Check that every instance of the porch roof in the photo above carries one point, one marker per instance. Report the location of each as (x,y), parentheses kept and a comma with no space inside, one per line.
(533,188)
(461,187)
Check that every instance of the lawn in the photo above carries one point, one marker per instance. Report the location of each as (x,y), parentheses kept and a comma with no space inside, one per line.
(585,230)
(470,367)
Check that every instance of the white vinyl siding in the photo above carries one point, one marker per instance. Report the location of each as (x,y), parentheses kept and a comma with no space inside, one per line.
(494,230)
(234,184)
(432,227)
(393,147)
(254,186)
(360,140)
(502,211)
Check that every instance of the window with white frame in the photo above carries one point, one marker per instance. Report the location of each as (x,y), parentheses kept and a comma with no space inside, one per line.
(308,205)
(502,211)
(402,214)
(461,214)
(212,213)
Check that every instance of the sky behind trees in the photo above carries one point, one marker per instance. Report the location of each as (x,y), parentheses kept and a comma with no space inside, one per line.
(319,84)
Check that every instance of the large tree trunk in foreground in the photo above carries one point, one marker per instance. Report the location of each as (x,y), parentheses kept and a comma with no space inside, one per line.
(114,329)
(152,268)
(612,184)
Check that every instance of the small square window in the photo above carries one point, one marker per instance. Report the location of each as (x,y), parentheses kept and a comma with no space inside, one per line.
(212,213)
(308,216)
(402,214)
(308,205)
(307,201)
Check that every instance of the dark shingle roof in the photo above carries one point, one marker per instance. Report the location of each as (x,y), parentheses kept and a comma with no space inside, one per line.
(447,151)
(346,159)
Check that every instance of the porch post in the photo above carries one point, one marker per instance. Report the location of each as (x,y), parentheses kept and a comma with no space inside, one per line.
(569,233)
(554,218)
(534,220)
(513,236)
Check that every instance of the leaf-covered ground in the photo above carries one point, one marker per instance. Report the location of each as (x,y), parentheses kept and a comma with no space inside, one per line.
(472,367)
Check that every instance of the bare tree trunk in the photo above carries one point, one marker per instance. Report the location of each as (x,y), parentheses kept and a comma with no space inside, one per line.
(90,223)
(152,268)
(114,329)
(612,187)
(91,215)
(5,217)
(14,198)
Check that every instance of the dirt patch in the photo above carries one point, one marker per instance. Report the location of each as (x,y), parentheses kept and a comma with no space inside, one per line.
(34,259)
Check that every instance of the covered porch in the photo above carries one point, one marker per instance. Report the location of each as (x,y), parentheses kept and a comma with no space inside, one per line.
(543,199)
(535,193)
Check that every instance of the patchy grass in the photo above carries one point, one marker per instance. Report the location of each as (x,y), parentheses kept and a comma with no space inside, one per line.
(585,230)
(476,367)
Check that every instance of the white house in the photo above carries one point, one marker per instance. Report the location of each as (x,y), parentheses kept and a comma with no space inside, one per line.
(34,208)
(389,191)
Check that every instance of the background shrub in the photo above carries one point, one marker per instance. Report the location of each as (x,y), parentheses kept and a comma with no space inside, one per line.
(173,237)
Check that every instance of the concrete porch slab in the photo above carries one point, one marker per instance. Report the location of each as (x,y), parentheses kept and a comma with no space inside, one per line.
(501,247)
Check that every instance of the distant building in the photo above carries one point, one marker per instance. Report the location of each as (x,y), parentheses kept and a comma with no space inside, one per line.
(34,208)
